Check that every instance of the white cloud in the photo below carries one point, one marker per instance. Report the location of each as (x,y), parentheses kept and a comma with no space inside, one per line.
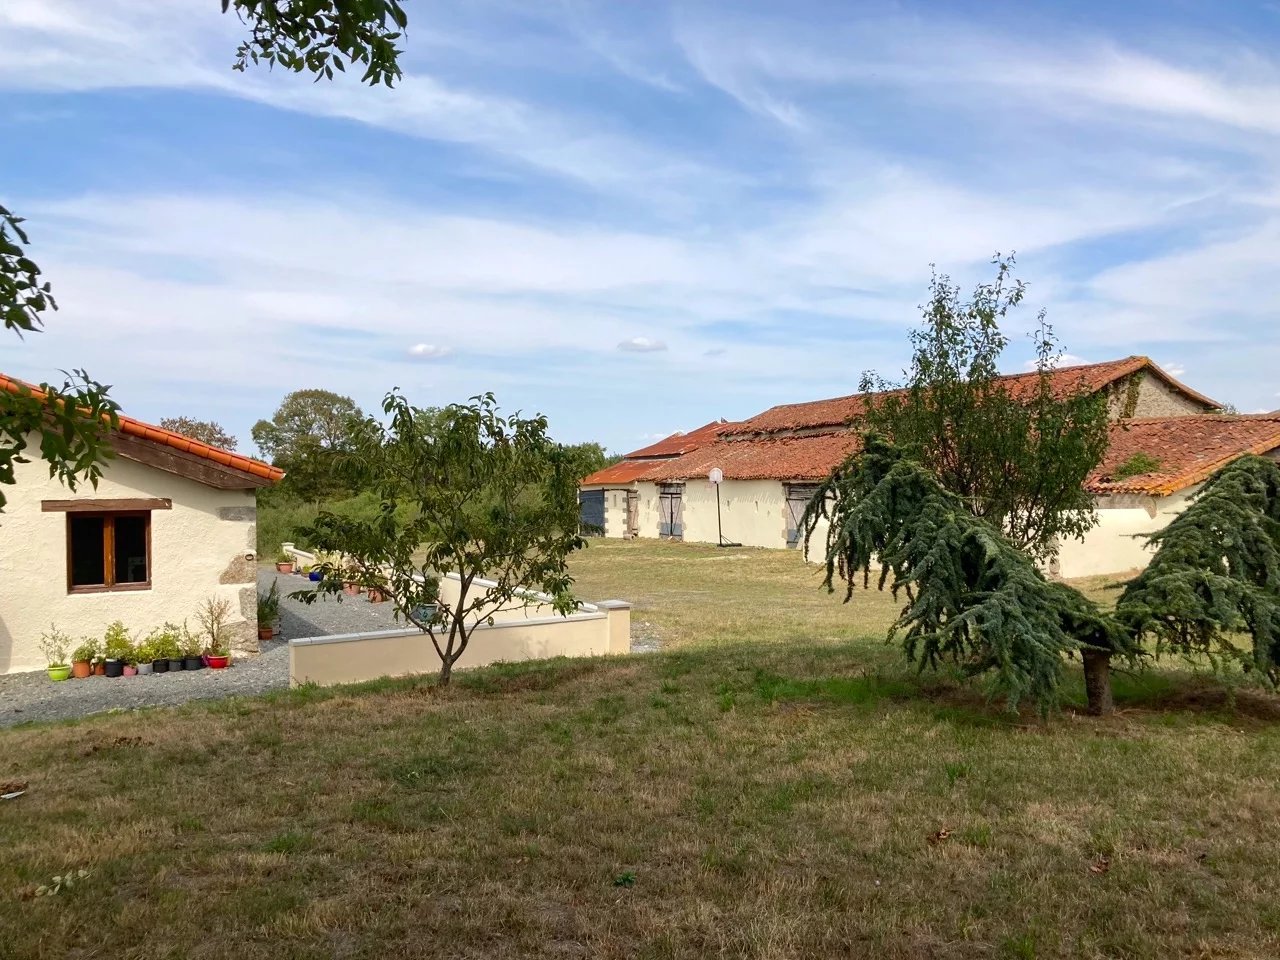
(1173,369)
(1065,360)
(642,345)
(429,351)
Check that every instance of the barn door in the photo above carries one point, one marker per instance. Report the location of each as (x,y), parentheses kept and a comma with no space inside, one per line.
(798,497)
(633,514)
(671,510)
(591,512)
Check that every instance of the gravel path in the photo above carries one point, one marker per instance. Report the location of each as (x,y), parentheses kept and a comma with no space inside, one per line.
(33,696)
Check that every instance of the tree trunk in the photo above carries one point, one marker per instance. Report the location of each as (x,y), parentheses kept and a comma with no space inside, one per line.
(1097,681)
(446,668)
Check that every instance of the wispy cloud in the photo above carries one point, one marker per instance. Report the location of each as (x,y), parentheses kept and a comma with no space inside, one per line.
(642,345)
(429,351)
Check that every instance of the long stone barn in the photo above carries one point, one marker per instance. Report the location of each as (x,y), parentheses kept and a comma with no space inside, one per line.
(772,462)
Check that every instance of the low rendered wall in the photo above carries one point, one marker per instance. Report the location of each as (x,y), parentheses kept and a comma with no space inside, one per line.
(350,658)
(1118,543)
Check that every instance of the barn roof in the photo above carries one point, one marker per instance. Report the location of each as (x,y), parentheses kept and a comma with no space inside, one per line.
(1188,449)
(839,411)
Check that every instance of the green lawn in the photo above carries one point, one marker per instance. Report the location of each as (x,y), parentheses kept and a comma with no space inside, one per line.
(774,785)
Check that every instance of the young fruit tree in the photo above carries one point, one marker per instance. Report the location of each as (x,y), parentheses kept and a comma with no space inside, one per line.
(1017,451)
(972,597)
(1216,572)
(493,499)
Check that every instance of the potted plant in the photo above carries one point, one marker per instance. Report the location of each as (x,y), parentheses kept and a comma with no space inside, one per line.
(117,647)
(214,617)
(164,648)
(54,645)
(268,611)
(284,562)
(191,648)
(83,656)
(144,656)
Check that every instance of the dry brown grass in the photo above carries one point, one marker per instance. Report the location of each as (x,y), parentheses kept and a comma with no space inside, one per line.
(801,796)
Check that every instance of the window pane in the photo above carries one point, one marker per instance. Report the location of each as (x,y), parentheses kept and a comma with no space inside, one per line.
(131,549)
(87,568)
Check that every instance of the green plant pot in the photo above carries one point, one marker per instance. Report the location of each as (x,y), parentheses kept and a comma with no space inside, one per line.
(60,672)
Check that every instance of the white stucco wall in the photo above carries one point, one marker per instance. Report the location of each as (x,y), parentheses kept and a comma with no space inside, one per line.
(753,512)
(615,513)
(193,546)
(1116,544)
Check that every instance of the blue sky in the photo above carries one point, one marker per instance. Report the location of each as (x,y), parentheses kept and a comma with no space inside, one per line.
(637,217)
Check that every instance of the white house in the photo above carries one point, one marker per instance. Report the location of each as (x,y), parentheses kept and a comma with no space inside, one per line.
(170,524)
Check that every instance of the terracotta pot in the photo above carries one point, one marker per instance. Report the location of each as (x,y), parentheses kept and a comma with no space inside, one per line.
(81,669)
(100,669)
(218,663)
(351,589)
(264,633)
(284,568)
(376,595)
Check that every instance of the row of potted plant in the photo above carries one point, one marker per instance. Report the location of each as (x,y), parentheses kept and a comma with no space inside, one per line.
(165,649)
(351,584)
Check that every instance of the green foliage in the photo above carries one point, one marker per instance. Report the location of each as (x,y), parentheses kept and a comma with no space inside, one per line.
(214,617)
(54,644)
(70,422)
(1137,465)
(490,497)
(206,431)
(1216,571)
(117,643)
(24,296)
(321,36)
(1017,457)
(308,437)
(90,649)
(588,458)
(268,605)
(972,597)
(165,642)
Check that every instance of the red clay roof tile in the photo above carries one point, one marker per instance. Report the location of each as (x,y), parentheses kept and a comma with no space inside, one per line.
(146,431)
(1189,449)
(776,458)
(678,443)
(839,411)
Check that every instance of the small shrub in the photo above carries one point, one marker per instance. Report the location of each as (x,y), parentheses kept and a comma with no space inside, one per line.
(1137,465)
(54,645)
(214,617)
(117,643)
(90,649)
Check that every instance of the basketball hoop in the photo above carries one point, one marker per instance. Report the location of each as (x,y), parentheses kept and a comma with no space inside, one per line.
(716,475)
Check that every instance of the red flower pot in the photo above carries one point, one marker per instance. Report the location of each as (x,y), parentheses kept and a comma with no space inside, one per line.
(100,669)
(81,669)
(264,633)
(218,663)
(284,568)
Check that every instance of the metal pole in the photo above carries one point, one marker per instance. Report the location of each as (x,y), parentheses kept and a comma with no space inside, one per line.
(719,529)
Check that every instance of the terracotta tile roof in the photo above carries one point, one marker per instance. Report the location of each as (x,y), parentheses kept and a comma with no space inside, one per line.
(777,458)
(146,431)
(623,472)
(678,443)
(1190,449)
(837,412)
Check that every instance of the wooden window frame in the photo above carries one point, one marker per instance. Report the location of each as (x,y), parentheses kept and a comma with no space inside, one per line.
(108,552)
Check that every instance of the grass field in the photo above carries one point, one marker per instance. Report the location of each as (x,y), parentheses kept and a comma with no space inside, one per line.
(773,785)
